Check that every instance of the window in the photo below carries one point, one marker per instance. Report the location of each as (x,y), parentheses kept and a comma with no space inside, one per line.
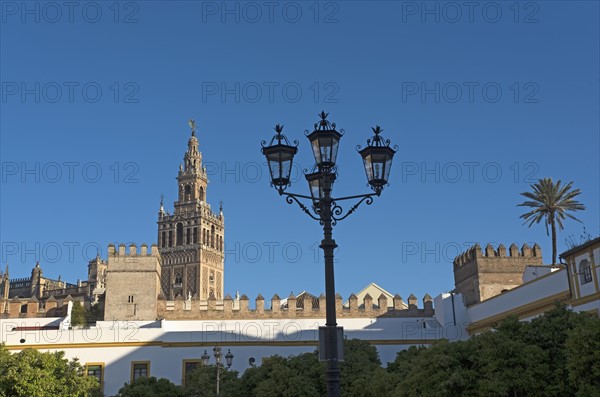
(170,238)
(180,234)
(195,235)
(201,193)
(188,367)
(139,369)
(585,272)
(212,237)
(163,240)
(178,281)
(187,235)
(96,370)
(130,299)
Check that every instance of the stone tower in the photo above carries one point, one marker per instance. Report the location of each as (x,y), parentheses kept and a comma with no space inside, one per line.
(96,277)
(191,239)
(132,283)
(36,281)
(479,275)
(4,290)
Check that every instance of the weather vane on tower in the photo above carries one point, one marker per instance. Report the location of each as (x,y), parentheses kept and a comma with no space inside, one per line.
(192,124)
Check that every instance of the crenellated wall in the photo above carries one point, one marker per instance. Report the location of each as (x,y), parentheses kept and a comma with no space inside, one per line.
(32,308)
(211,309)
(480,274)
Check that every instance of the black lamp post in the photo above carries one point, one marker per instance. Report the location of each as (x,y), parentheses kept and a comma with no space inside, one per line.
(217,353)
(377,158)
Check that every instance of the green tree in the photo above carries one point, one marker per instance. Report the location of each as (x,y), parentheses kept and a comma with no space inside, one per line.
(550,332)
(150,387)
(444,369)
(78,314)
(361,371)
(583,356)
(551,202)
(296,376)
(31,373)
(203,380)
(507,365)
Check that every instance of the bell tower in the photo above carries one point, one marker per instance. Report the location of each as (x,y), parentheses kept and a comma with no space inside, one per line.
(190,240)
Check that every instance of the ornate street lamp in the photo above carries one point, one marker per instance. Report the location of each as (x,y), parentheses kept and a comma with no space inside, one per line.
(280,156)
(229,358)
(205,358)
(217,353)
(377,158)
(324,140)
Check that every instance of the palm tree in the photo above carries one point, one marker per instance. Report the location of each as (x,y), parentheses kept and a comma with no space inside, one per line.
(550,202)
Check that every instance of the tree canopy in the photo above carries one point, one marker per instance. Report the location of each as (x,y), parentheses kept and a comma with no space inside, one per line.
(554,355)
(30,373)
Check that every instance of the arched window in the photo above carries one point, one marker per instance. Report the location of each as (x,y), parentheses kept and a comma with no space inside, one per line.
(163,241)
(585,272)
(212,237)
(195,235)
(179,234)
(201,193)
(187,235)
(188,191)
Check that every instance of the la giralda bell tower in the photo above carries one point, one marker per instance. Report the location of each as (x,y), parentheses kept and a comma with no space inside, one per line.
(191,239)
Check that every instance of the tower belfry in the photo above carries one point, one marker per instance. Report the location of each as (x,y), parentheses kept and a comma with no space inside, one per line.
(190,240)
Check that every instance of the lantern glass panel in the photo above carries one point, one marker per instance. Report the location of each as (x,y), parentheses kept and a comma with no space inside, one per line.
(229,358)
(314,183)
(205,357)
(378,163)
(279,159)
(325,145)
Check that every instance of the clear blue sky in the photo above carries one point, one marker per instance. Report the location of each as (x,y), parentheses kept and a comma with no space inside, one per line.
(481,102)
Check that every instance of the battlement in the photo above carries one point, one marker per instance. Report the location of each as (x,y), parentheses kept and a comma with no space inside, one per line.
(133,250)
(194,309)
(20,280)
(475,252)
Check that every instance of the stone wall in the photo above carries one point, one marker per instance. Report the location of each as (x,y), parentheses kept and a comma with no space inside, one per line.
(32,308)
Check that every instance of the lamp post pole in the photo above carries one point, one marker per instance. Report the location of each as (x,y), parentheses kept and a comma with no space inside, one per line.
(328,245)
(377,158)
(217,353)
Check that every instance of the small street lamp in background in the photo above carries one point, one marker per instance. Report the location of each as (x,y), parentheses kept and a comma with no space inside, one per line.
(324,140)
(217,353)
